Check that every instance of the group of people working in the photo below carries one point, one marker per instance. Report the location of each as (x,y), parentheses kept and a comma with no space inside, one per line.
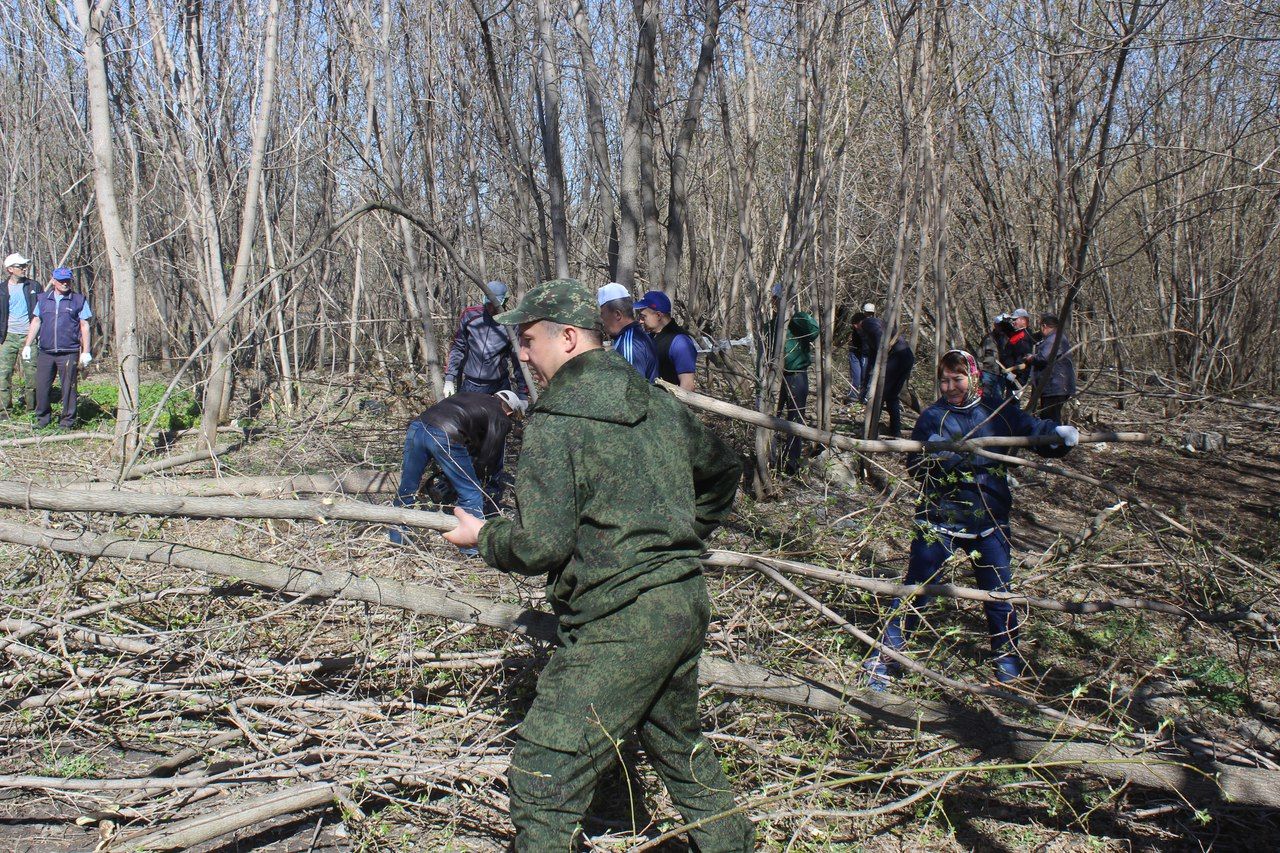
(46,334)
(1012,355)
(618,488)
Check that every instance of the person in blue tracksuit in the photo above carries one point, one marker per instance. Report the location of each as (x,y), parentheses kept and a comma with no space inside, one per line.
(964,505)
(630,340)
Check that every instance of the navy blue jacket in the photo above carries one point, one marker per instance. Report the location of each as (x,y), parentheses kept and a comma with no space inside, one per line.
(60,321)
(965,491)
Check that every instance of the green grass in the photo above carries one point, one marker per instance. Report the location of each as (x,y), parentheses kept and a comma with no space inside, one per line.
(97,406)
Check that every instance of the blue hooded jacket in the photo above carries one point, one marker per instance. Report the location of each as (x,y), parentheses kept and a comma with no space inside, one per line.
(965,491)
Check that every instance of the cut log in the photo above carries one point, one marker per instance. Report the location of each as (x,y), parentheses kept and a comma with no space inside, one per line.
(358,481)
(1196,779)
(79,500)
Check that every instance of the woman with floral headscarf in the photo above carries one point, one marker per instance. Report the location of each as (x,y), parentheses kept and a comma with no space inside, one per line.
(964,506)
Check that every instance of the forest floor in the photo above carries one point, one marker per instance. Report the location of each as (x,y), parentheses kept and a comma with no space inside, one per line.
(411,717)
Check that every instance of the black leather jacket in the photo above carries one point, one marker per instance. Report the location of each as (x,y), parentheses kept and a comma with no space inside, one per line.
(476,421)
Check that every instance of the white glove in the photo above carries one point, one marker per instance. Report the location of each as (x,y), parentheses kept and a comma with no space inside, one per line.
(1070,435)
(447,389)
(26,353)
(1010,377)
(85,358)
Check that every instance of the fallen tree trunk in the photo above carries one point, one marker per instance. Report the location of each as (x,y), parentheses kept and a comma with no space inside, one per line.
(1201,780)
(733,559)
(38,440)
(181,459)
(888,445)
(29,496)
(358,481)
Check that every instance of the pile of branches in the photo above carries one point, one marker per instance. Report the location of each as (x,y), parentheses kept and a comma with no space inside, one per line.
(224,692)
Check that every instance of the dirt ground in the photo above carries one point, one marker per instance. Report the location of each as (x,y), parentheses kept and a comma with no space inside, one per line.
(412,716)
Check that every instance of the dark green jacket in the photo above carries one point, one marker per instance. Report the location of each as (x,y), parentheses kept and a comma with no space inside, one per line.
(618,485)
(802,329)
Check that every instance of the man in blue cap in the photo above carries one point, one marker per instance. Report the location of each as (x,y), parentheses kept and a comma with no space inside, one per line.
(677,355)
(483,356)
(60,322)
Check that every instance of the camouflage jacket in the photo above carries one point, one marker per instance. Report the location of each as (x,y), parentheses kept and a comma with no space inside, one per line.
(618,485)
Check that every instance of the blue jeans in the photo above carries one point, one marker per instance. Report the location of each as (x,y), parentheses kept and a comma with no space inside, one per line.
(422,444)
(929,550)
(856,368)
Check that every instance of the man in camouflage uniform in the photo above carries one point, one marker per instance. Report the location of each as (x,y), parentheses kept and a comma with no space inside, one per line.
(618,486)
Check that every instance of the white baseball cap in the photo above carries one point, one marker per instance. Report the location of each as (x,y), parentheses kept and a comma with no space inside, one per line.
(16,260)
(610,292)
(513,401)
(870,308)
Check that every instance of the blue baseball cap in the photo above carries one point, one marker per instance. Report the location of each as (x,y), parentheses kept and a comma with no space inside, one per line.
(498,290)
(62,274)
(655,300)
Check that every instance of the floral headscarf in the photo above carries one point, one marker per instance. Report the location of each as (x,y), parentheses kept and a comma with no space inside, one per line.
(974,394)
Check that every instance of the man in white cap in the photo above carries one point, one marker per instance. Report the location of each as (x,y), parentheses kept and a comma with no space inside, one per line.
(1016,354)
(483,356)
(630,340)
(15,320)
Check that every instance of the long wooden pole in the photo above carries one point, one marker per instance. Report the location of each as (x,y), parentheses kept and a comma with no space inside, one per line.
(889,445)
(28,496)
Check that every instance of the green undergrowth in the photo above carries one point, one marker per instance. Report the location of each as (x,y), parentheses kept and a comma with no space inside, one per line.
(97,402)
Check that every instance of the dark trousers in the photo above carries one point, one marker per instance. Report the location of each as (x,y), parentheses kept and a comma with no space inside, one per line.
(791,403)
(66,365)
(929,550)
(897,372)
(1050,408)
(635,669)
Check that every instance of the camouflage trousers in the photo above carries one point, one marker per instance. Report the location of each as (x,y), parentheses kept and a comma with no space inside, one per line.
(635,669)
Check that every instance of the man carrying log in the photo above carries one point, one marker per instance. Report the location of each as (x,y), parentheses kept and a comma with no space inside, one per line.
(619,485)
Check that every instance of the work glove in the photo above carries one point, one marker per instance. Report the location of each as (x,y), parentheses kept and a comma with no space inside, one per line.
(1069,434)
(948,458)
(26,353)
(1010,377)
(85,358)
(448,388)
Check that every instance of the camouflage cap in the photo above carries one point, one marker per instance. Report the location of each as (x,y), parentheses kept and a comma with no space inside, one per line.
(562,300)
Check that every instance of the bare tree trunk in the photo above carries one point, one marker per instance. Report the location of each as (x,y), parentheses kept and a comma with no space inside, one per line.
(677,200)
(642,84)
(216,395)
(550,127)
(120,249)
